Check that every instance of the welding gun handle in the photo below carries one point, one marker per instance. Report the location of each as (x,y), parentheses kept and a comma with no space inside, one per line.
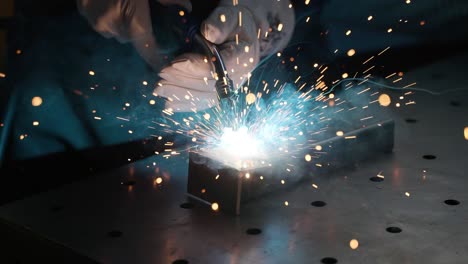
(224,84)
(212,51)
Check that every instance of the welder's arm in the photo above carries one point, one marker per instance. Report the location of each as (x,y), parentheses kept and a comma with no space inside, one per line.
(244,34)
(127,21)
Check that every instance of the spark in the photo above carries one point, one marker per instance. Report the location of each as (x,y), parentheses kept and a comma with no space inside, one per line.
(409,85)
(382,52)
(158,180)
(36,101)
(390,75)
(368,60)
(280,27)
(351,52)
(91,73)
(250,98)
(121,118)
(380,175)
(366,118)
(384,100)
(368,69)
(222,17)
(353,244)
(466,132)
(215,206)
(35,123)
(325,69)
(363,91)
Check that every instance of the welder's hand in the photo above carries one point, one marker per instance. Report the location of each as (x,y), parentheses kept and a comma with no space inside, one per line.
(127,21)
(244,33)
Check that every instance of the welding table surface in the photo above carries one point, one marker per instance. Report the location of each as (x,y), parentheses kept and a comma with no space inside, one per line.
(155,229)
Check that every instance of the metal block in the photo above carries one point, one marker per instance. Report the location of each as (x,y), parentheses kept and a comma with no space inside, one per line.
(213,180)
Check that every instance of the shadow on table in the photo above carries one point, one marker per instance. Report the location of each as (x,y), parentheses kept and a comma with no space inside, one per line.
(23,178)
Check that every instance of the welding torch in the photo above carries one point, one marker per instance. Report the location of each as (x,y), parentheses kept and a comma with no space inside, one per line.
(224,85)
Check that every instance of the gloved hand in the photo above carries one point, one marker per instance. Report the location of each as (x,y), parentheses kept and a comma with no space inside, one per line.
(128,21)
(244,33)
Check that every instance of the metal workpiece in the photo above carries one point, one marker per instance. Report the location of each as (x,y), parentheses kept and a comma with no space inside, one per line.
(214,179)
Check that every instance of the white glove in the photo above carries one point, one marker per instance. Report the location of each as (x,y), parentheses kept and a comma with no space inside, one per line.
(127,21)
(241,34)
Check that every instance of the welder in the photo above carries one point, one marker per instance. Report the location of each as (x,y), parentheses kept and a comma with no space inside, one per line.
(244,31)
(104,69)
